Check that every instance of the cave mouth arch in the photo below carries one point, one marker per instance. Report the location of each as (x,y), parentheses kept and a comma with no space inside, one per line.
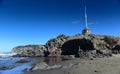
(72,47)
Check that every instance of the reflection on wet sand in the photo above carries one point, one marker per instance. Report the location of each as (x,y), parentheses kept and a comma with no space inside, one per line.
(53,60)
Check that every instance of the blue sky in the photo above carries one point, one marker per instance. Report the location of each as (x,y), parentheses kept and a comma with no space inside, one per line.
(25,22)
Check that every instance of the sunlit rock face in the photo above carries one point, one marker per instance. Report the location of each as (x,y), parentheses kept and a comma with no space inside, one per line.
(72,45)
(29,50)
(95,45)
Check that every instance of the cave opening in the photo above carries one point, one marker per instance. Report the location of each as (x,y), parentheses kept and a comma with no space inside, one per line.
(72,47)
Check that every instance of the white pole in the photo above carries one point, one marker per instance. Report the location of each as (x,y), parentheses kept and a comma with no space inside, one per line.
(86,21)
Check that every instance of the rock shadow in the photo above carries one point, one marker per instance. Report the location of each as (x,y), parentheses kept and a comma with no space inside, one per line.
(72,47)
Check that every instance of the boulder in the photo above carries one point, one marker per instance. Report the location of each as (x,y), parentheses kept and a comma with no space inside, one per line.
(44,66)
(103,53)
(39,66)
(116,49)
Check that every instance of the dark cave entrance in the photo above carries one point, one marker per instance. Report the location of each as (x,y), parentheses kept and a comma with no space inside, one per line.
(71,47)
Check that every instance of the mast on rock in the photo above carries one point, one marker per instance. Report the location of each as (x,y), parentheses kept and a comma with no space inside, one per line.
(86,30)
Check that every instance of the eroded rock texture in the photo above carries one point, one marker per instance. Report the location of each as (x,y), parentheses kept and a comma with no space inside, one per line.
(79,45)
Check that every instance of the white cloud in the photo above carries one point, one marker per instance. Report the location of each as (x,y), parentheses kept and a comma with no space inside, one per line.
(91,23)
(76,22)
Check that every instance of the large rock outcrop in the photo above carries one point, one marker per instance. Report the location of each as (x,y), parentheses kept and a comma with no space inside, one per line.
(95,45)
(29,50)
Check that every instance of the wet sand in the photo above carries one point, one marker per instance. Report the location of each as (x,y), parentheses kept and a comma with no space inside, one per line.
(109,65)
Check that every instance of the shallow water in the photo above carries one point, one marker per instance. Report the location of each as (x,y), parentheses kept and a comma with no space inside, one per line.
(15,68)
(54,60)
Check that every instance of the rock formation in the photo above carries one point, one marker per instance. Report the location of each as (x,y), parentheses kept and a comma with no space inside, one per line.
(29,50)
(79,45)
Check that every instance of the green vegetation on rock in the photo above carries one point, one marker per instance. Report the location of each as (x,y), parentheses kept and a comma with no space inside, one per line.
(111,41)
(100,45)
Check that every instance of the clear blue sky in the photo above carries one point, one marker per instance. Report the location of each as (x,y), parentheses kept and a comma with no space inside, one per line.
(25,22)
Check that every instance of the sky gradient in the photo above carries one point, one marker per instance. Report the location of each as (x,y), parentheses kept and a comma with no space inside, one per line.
(25,22)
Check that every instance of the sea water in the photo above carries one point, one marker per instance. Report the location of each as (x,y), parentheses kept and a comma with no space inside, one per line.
(6,60)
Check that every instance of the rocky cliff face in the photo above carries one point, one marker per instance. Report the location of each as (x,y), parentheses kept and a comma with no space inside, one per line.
(78,45)
(29,50)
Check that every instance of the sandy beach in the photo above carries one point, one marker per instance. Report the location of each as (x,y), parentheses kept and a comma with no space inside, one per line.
(109,65)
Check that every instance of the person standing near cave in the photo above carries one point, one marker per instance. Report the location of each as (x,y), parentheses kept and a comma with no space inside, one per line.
(80,52)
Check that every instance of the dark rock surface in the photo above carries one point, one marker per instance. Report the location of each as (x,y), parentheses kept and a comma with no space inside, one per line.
(116,49)
(22,61)
(79,45)
(72,47)
(5,68)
